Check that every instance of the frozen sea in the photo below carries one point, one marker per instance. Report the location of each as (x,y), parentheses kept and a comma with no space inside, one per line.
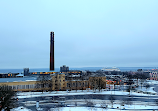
(81,68)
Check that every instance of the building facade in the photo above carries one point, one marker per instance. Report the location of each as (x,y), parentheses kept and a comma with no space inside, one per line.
(26,72)
(58,83)
(153,74)
(64,68)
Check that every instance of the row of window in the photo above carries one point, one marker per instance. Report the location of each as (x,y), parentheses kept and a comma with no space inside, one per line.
(77,84)
(30,86)
(154,75)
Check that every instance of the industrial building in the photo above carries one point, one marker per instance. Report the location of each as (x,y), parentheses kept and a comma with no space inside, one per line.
(63,80)
(64,68)
(8,75)
(58,82)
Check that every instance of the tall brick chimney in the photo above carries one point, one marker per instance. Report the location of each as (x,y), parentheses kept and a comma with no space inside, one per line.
(51,50)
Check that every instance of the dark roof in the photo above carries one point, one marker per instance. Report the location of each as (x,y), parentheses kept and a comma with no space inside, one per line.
(74,71)
(8,73)
(97,75)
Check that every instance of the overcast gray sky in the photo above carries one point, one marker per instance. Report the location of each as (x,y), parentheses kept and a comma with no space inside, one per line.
(88,33)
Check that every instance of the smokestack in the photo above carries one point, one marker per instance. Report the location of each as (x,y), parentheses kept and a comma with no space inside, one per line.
(51,50)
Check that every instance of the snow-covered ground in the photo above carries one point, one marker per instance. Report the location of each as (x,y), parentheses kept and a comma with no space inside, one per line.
(79,92)
(21,108)
(116,106)
(152,82)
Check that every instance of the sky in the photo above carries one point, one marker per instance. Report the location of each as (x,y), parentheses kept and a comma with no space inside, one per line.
(88,33)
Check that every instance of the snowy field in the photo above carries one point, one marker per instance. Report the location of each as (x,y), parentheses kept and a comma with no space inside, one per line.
(116,107)
(79,92)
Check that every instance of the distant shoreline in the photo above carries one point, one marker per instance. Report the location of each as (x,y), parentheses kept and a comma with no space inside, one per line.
(83,68)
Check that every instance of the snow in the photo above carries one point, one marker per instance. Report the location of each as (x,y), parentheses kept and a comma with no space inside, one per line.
(146,90)
(152,82)
(21,108)
(97,107)
(79,92)
(116,106)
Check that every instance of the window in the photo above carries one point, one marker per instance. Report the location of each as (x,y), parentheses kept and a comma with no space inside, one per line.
(27,86)
(73,84)
(10,87)
(79,84)
(31,86)
(18,87)
(23,86)
(67,84)
(86,84)
(14,87)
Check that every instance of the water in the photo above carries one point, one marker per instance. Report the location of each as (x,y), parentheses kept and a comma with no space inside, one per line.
(82,68)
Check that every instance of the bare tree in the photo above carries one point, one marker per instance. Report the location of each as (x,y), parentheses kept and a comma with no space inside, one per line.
(104,105)
(147,86)
(70,83)
(76,85)
(93,83)
(129,82)
(156,101)
(89,103)
(8,98)
(44,82)
(82,83)
(101,84)
(112,99)
(128,101)
(122,101)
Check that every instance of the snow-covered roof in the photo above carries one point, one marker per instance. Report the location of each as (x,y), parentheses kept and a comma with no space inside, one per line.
(20,75)
(18,79)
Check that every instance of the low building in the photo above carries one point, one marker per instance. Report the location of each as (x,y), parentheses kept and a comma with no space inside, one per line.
(59,82)
(153,74)
(20,84)
(8,75)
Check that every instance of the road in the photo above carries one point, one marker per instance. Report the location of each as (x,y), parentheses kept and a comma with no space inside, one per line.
(50,101)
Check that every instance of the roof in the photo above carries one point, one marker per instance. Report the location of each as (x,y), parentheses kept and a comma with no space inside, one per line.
(19,79)
(8,73)
(20,75)
(97,75)
(74,71)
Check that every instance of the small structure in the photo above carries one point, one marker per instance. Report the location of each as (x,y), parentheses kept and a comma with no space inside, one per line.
(26,72)
(61,101)
(37,104)
(20,75)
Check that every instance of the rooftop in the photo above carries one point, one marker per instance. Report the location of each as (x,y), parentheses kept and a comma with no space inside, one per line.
(19,79)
